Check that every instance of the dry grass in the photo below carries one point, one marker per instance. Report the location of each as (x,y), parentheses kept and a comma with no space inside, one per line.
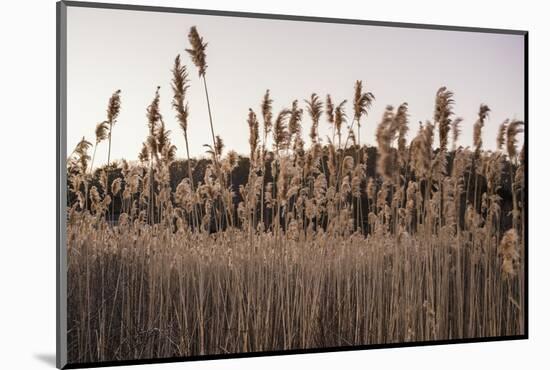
(311,252)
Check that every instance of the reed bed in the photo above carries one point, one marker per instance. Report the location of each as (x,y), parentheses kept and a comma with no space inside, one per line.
(326,245)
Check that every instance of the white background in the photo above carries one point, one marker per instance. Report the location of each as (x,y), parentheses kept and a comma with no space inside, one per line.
(27,183)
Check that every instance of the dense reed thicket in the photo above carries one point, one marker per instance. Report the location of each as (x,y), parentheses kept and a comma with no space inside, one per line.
(321,245)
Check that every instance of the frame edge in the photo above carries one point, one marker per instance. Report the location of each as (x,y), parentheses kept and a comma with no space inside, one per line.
(61,256)
(287,17)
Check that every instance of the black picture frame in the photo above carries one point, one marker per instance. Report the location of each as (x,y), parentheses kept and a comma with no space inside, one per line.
(61,191)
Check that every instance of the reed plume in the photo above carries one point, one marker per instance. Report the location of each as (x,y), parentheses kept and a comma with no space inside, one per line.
(361,104)
(421,150)
(153,114)
(219,146)
(267,114)
(143,155)
(402,122)
(340,118)
(508,249)
(80,154)
(113,109)
(329,110)
(428,134)
(180,85)
(501,135)
(280,130)
(314,107)
(101,134)
(443,111)
(455,129)
(478,126)
(384,136)
(253,127)
(514,128)
(165,148)
(116,185)
(295,122)
(197,50)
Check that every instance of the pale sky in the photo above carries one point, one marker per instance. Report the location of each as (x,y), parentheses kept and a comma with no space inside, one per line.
(134,51)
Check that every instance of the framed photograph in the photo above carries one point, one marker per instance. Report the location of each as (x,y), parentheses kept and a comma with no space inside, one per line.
(236,184)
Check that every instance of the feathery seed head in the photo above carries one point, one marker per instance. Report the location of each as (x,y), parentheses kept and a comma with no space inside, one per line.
(113,108)
(253,131)
(443,111)
(294,122)
(362,101)
(330,109)
(197,50)
(101,131)
(501,135)
(219,146)
(280,132)
(340,117)
(116,186)
(455,127)
(180,84)
(508,249)
(267,112)
(314,107)
(482,117)
(514,128)
(153,113)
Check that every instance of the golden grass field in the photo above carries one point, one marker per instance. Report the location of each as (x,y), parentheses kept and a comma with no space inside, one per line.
(324,245)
